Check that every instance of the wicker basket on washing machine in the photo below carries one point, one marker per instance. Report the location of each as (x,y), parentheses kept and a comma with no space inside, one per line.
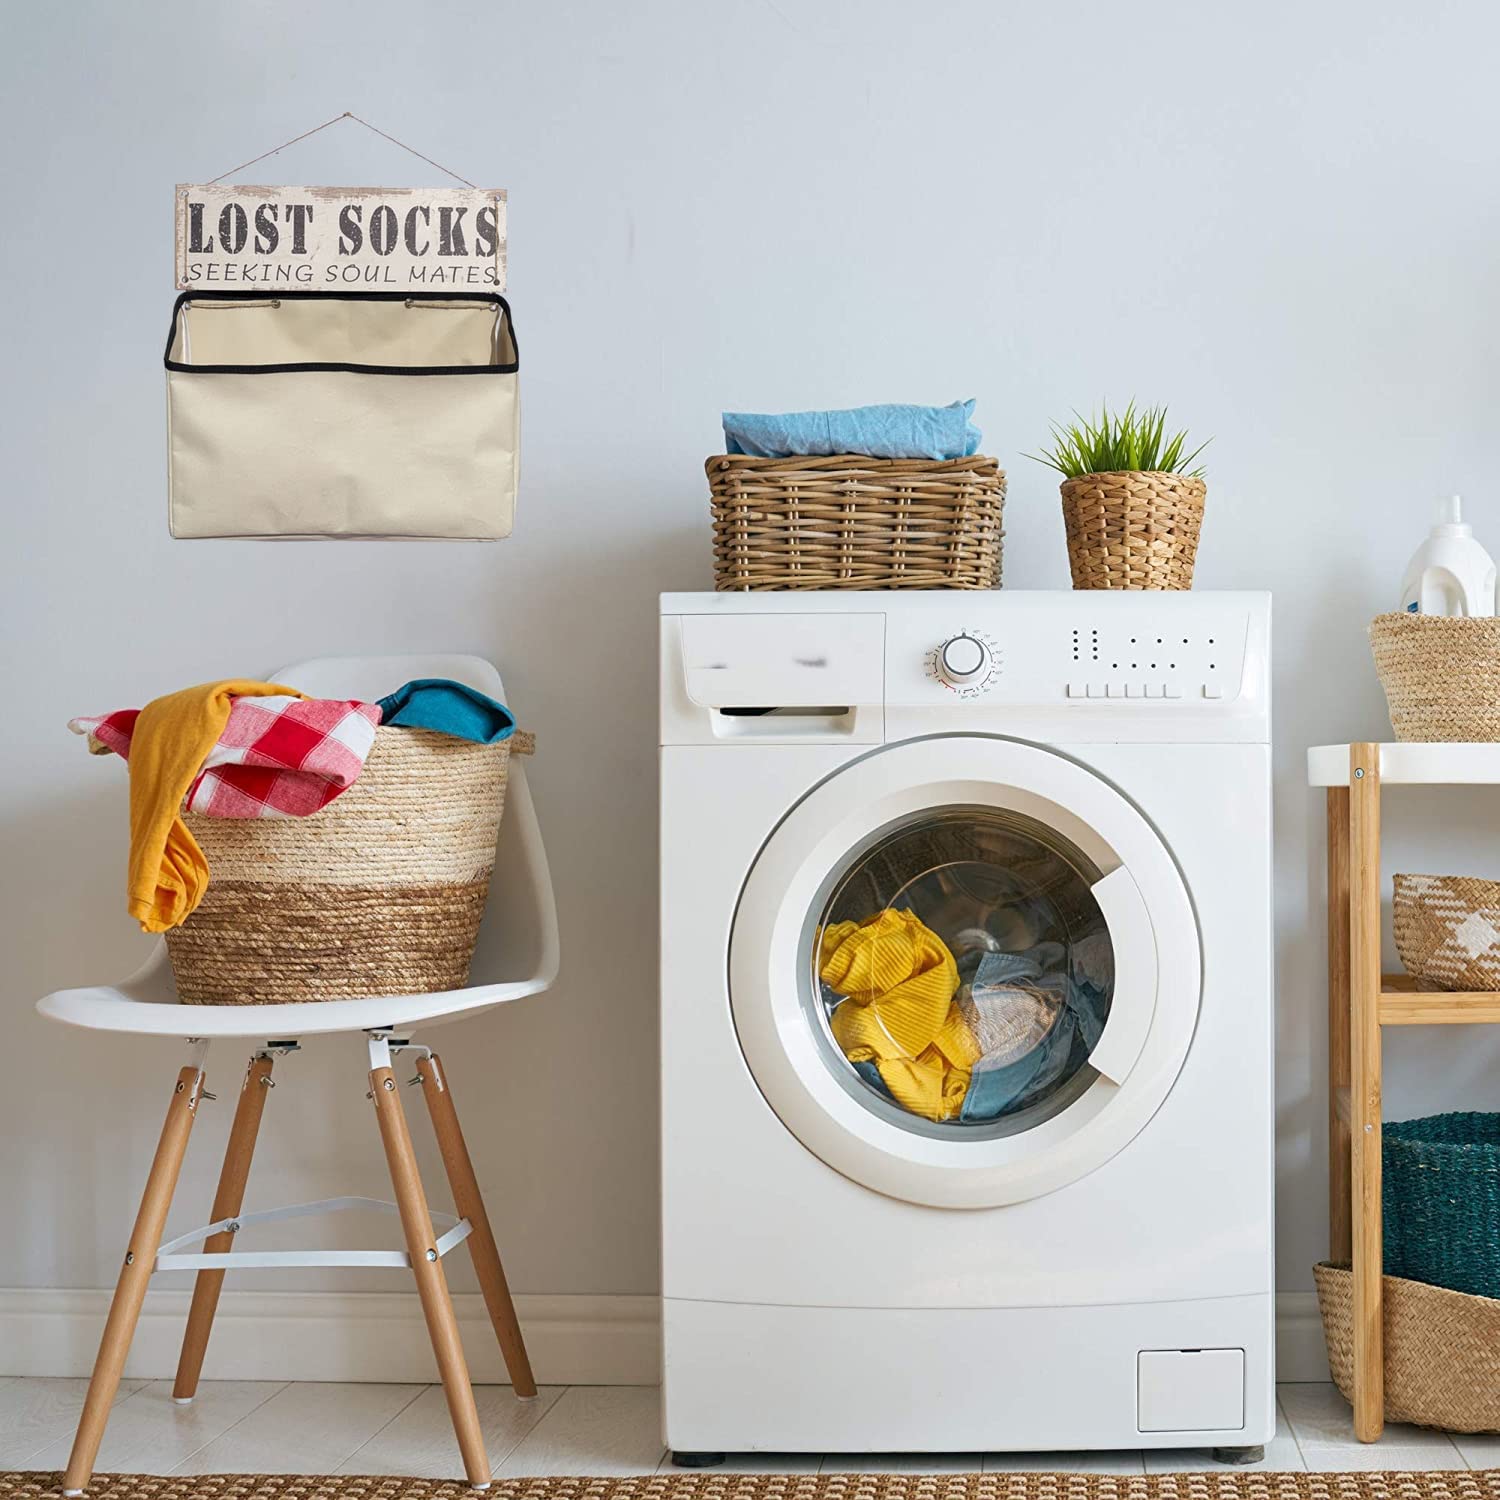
(846,521)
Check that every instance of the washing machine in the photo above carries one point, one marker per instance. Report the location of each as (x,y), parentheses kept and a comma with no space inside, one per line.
(966,1022)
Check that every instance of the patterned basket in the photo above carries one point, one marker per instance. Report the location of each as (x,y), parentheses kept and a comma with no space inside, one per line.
(1133,529)
(1440,1201)
(380,893)
(1442,1350)
(850,522)
(1447,930)
(1441,675)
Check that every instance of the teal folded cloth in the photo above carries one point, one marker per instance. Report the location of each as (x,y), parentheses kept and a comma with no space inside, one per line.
(449,708)
(877,431)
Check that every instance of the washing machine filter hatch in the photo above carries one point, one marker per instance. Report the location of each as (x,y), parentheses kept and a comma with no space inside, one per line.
(960,972)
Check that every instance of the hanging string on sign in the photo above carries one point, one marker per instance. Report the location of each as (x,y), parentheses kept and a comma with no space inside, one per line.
(306,238)
(348,114)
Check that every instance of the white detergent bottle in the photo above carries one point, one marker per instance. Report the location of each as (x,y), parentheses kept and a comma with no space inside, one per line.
(1451,573)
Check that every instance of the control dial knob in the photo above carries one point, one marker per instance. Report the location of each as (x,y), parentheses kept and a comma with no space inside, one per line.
(963,660)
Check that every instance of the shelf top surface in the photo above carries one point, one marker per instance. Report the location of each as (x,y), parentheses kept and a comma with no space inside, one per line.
(1411,762)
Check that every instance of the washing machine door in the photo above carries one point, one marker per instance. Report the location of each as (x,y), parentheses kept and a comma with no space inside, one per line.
(964,971)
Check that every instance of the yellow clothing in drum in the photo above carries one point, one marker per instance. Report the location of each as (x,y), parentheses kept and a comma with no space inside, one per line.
(898,980)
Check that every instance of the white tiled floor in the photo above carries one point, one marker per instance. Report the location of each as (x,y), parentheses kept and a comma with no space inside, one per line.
(239,1426)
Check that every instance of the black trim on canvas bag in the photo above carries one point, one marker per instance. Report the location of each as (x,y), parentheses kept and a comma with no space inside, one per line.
(494,299)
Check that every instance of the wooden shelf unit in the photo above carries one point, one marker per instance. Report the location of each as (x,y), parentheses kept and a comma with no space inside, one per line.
(1362,1000)
(1403,1004)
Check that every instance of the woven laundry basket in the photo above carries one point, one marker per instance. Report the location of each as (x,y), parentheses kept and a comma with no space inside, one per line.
(1442,1350)
(1440,1201)
(1133,529)
(380,893)
(850,522)
(1447,930)
(1441,675)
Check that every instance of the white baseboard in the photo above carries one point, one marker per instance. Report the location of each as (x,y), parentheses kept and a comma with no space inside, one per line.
(1300,1352)
(573,1340)
(335,1336)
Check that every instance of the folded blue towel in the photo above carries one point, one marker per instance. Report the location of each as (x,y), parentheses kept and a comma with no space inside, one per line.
(449,708)
(878,431)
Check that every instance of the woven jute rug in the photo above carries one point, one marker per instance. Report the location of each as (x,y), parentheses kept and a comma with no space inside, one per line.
(1481,1484)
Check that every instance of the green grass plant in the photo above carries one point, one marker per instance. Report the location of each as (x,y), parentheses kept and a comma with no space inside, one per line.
(1115,441)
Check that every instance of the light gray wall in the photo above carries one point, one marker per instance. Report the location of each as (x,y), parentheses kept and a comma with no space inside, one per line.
(1281,219)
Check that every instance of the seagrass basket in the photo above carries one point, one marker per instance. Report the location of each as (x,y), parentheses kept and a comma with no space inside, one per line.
(1442,1350)
(850,522)
(1441,675)
(1447,930)
(379,893)
(1132,529)
(1440,1201)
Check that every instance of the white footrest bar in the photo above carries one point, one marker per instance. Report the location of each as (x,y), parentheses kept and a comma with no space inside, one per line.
(267,1260)
(460,1231)
(456,1230)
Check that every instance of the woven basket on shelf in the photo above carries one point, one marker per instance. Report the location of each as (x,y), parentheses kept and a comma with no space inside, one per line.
(1441,675)
(850,522)
(1442,1350)
(380,893)
(1132,529)
(1447,930)
(1440,1201)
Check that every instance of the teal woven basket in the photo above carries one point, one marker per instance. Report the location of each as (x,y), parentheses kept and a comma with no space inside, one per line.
(1441,1199)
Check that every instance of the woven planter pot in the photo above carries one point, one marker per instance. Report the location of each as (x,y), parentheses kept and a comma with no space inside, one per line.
(1441,675)
(380,893)
(1440,1201)
(1132,530)
(1442,1350)
(849,522)
(1447,930)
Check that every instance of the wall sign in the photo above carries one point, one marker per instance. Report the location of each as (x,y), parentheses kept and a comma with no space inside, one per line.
(324,238)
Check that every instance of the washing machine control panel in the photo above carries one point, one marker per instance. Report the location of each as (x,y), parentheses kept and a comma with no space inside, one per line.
(967,663)
(857,668)
(1074,652)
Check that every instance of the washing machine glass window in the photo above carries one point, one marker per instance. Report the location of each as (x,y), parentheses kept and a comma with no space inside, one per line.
(962,972)
(1029,811)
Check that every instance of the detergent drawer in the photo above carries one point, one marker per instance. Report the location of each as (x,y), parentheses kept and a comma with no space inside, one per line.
(784,660)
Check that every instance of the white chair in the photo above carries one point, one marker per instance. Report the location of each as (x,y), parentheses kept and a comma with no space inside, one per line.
(517,955)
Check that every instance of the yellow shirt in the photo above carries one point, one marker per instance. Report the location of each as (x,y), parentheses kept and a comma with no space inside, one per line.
(898,980)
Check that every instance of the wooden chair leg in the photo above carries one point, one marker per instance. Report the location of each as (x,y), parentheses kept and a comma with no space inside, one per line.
(1365,1089)
(470,1204)
(130,1290)
(228,1200)
(1340,1190)
(432,1285)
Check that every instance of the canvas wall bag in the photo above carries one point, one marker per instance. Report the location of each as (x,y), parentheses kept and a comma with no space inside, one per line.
(342,414)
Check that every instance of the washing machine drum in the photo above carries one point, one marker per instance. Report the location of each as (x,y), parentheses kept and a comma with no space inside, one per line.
(964,971)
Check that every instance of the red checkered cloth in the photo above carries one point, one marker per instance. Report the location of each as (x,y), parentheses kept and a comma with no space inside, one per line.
(277,757)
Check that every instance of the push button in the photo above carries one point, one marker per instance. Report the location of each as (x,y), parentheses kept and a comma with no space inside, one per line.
(1212,690)
(1171,690)
(1078,690)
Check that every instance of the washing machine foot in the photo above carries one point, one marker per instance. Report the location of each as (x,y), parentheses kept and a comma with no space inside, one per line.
(696,1460)
(1240,1455)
